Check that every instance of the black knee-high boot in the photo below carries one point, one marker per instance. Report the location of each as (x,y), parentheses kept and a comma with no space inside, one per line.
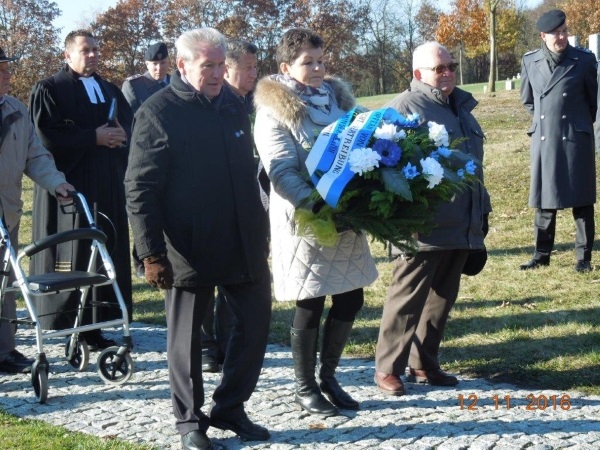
(304,352)
(335,336)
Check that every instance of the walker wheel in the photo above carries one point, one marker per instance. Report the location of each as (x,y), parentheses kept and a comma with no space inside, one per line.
(114,368)
(81,354)
(39,381)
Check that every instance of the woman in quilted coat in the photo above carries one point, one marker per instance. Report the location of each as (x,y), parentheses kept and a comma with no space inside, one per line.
(292,109)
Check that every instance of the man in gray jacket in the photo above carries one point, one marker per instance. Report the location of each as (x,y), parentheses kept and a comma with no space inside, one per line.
(425,285)
(559,88)
(138,88)
(21,152)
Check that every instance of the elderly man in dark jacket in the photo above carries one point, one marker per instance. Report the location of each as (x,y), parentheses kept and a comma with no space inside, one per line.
(198,222)
(559,88)
(425,285)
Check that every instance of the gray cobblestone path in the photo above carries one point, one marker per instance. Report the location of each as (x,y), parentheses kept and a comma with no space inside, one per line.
(427,418)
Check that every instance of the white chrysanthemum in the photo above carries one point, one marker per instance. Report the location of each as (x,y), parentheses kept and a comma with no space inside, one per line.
(390,132)
(363,160)
(438,134)
(433,171)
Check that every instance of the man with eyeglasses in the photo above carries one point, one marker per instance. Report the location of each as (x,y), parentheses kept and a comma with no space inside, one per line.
(425,284)
(559,88)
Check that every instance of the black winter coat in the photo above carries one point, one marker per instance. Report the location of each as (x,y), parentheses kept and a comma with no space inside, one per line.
(192,190)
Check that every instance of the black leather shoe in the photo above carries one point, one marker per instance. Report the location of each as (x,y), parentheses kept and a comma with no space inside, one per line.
(196,440)
(583,266)
(16,362)
(336,395)
(243,427)
(96,340)
(314,402)
(535,263)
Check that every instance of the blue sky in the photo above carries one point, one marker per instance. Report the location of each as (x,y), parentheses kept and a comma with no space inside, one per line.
(76,13)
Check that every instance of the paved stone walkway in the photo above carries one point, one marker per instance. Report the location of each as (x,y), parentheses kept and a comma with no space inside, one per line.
(427,418)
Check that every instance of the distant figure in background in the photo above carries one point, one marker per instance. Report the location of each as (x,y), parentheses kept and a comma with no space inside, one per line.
(21,153)
(138,88)
(241,64)
(240,77)
(70,111)
(559,88)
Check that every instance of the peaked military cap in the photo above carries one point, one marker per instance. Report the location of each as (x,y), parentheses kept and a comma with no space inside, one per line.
(550,20)
(157,52)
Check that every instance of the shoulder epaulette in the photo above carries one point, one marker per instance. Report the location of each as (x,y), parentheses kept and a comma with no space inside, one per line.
(133,77)
(532,52)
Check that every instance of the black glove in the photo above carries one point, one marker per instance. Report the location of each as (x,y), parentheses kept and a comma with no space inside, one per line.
(158,271)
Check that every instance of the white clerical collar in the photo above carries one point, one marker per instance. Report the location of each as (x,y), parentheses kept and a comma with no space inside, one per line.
(93,89)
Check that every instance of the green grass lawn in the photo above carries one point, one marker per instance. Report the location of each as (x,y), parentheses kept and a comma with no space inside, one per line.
(539,329)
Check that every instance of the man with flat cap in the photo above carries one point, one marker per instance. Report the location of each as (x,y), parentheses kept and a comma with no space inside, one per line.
(559,88)
(138,88)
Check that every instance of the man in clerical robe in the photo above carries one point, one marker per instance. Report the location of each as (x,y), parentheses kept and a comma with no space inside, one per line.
(70,111)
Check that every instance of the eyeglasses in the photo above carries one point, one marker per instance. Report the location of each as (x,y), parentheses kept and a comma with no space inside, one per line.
(442,68)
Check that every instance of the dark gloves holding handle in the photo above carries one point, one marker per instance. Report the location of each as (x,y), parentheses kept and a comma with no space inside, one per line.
(158,270)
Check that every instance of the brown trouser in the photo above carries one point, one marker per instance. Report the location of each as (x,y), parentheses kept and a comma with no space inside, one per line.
(424,288)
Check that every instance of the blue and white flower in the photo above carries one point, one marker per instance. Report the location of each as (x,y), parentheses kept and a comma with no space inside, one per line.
(363,160)
(438,134)
(432,171)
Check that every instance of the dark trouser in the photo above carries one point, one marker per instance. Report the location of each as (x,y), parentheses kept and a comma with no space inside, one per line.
(424,288)
(216,327)
(545,230)
(250,304)
(137,262)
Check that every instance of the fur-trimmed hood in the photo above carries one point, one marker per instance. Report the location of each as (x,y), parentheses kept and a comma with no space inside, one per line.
(282,102)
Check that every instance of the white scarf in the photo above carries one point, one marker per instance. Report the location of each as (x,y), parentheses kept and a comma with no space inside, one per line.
(93,89)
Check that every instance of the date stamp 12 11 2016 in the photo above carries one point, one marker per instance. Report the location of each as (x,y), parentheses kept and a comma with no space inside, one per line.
(533,402)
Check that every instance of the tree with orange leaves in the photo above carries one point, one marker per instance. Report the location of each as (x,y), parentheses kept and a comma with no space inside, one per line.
(26,31)
(124,33)
(583,18)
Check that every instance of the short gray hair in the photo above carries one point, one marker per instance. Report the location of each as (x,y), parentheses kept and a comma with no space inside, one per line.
(236,49)
(187,44)
(422,54)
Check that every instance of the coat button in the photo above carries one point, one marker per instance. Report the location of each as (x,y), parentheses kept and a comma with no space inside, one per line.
(564,94)
(564,117)
(542,117)
(543,138)
(564,138)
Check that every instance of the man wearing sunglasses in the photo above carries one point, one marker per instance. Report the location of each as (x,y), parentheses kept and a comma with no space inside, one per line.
(425,285)
(559,88)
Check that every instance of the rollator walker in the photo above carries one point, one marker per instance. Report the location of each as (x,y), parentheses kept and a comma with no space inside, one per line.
(115,365)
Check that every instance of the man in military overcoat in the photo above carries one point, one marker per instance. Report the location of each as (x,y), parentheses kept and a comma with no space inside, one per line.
(138,88)
(559,88)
